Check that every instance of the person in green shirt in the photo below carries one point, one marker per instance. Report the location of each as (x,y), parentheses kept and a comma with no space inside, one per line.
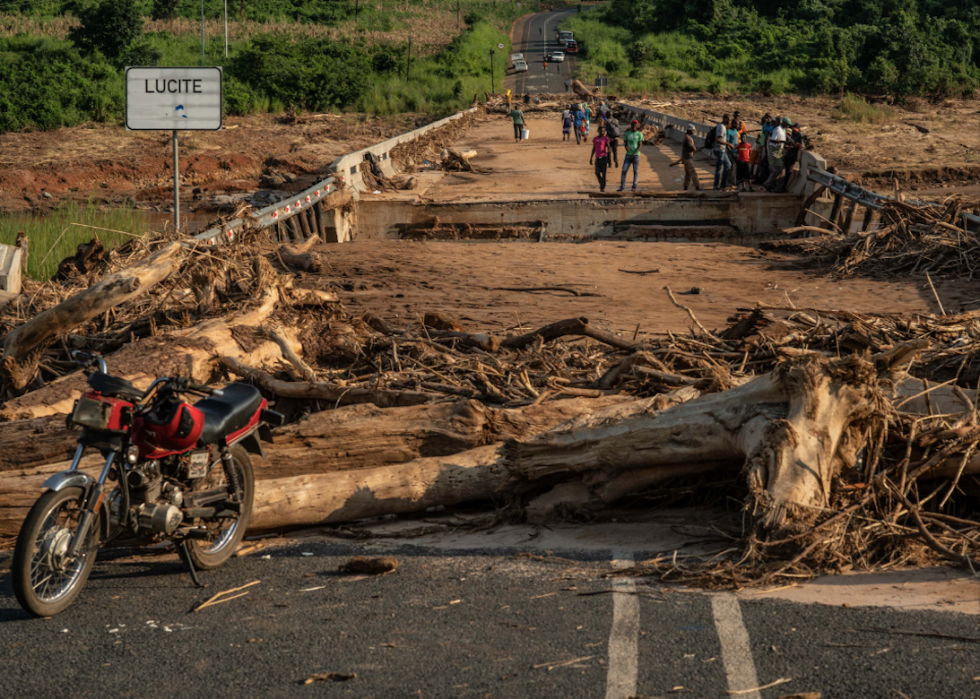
(632,140)
(518,116)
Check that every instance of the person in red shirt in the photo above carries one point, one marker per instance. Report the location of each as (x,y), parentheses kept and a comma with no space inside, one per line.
(600,154)
(744,169)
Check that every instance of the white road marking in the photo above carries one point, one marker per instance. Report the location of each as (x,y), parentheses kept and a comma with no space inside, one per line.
(624,636)
(735,651)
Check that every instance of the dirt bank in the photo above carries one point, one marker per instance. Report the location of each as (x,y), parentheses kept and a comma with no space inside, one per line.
(111,165)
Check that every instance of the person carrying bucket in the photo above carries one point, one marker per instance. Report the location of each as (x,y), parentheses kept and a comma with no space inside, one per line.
(518,116)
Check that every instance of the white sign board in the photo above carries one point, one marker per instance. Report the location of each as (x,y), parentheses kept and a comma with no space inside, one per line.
(500,46)
(173,99)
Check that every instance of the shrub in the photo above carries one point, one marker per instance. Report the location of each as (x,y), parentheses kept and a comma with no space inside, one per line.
(110,26)
(857,109)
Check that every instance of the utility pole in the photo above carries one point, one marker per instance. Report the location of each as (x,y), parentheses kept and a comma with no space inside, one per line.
(226,28)
(176,187)
(457,16)
(493,88)
(202,30)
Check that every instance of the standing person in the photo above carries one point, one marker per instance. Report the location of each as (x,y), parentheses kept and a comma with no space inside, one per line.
(518,116)
(777,151)
(566,85)
(613,131)
(604,110)
(600,153)
(632,140)
(588,118)
(733,140)
(566,126)
(794,144)
(763,170)
(720,150)
(739,125)
(743,175)
(578,120)
(688,149)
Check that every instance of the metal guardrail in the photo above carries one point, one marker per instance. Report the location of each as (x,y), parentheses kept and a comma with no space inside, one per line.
(276,213)
(872,200)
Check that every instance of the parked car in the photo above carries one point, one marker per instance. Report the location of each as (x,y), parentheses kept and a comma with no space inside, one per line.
(515,57)
(571,47)
(520,66)
(557,57)
(564,37)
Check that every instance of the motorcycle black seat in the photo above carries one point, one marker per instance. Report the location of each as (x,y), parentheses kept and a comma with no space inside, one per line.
(229,412)
(109,385)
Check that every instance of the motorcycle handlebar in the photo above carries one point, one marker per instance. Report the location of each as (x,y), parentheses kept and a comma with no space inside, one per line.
(184,384)
(87,358)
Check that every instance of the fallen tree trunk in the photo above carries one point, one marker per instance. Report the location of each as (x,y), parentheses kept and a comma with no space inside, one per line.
(22,344)
(299,255)
(350,441)
(192,352)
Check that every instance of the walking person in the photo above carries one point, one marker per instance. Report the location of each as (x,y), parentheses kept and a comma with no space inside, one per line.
(566,126)
(588,118)
(578,121)
(632,140)
(688,149)
(566,85)
(518,116)
(777,151)
(613,131)
(600,154)
(723,165)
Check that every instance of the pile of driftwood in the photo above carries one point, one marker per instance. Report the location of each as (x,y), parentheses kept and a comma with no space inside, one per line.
(909,239)
(848,453)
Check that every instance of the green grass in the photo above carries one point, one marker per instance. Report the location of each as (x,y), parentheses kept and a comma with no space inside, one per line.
(54,237)
(857,109)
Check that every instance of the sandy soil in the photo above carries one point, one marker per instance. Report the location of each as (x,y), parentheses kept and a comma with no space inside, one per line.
(544,167)
(112,164)
(400,280)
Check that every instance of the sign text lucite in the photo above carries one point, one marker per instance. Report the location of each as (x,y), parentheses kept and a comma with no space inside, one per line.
(173,99)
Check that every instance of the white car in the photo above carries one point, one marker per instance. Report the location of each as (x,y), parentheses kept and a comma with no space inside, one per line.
(515,57)
(557,57)
(520,67)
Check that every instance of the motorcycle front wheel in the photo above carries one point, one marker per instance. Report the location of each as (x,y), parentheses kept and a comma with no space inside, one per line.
(46,580)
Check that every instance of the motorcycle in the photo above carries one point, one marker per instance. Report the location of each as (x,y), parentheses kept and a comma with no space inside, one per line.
(173,470)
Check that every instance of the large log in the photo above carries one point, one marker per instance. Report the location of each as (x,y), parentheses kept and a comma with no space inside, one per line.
(22,344)
(343,444)
(192,352)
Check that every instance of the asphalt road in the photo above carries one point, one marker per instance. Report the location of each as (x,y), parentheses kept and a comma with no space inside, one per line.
(461,624)
(541,39)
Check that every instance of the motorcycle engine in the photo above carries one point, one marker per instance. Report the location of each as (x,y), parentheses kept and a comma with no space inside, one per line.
(155,502)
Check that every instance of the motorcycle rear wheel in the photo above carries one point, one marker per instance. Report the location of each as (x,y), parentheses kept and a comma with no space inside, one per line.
(45,580)
(228,533)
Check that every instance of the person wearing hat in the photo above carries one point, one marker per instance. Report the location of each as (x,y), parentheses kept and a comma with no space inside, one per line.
(688,149)
(777,151)
(632,140)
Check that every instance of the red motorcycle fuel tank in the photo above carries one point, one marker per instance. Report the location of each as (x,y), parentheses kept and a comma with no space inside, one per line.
(171,428)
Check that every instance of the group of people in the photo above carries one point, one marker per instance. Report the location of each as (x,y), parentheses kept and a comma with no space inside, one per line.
(741,164)
(738,163)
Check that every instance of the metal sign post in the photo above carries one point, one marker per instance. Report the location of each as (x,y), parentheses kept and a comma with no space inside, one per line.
(173,99)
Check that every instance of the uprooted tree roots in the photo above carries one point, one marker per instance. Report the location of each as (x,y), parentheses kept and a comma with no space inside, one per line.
(849,455)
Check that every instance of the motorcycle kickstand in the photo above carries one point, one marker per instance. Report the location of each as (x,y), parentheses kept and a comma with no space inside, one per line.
(185,555)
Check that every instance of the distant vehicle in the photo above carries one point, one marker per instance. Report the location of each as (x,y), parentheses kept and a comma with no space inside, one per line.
(571,47)
(564,38)
(515,57)
(520,66)
(557,57)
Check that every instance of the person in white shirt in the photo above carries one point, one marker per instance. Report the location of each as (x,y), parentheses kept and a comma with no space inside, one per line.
(723,166)
(777,149)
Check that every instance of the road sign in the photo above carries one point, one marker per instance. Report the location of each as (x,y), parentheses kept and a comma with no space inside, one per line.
(500,46)
(601,81)
(173,99)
